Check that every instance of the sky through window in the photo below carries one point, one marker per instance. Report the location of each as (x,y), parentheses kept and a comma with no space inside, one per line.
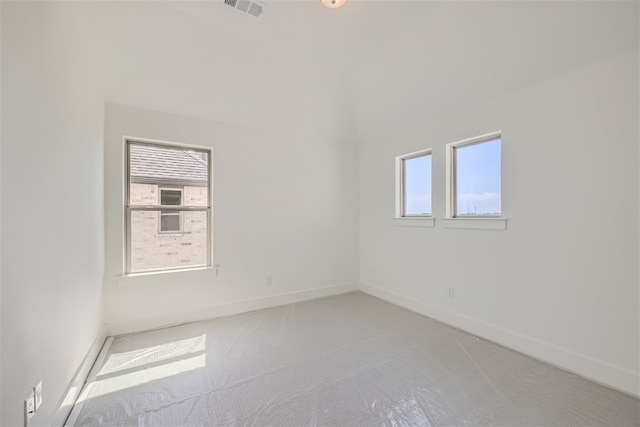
(478,179)
(417,185)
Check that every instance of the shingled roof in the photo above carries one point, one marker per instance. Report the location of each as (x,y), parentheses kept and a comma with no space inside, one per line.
(151,164)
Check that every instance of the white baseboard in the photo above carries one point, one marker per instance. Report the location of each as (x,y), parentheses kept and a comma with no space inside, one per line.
(229,309)
(77,382)
(592,369)
(86,391)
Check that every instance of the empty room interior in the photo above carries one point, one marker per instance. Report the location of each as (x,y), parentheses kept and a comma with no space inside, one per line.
(247,212)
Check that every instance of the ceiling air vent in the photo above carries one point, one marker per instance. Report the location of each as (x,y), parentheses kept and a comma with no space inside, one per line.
(247,6)
(255,9)
(243,5)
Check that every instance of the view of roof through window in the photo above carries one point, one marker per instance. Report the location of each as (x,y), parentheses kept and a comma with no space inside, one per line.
(149,163)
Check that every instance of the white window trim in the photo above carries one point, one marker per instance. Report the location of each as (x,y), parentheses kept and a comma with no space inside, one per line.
(400,218)
(451,221)
(414,221)
(130,208)
(475,223)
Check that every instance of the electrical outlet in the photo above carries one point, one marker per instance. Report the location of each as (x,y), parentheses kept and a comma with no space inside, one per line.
(37,391)
(29,407)
(269,280)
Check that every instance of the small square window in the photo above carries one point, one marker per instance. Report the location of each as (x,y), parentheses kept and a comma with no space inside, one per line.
(413,187)
(170,197)
(170,222)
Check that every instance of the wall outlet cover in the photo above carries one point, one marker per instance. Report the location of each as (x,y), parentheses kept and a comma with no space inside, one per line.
(37,391)
(29,407)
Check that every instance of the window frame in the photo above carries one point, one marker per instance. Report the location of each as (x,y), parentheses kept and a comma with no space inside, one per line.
(129,208)
(452,220)
(401,217)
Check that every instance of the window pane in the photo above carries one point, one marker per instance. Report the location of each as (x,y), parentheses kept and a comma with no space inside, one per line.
(170,221)
(417,186)
(153,250)
(171,197)
(478,179)
(168,166)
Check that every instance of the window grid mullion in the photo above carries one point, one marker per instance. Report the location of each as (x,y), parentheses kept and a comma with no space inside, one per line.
(167,208)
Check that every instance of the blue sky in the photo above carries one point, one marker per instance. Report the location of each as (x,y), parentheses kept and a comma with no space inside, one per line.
(478,180)
(418,185)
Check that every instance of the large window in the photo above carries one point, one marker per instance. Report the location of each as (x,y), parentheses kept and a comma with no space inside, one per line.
(414,184)
(474,181)
(168,209)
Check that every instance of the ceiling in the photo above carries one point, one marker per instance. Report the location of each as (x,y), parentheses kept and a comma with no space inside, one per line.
(364,61)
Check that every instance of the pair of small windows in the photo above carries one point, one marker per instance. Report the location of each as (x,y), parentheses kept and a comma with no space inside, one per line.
(474,181)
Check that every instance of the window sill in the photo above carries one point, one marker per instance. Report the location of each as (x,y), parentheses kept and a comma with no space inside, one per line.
(476,223)
(169,270)
(408,221)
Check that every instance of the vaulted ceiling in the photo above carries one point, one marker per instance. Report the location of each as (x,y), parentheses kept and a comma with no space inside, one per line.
(362,63)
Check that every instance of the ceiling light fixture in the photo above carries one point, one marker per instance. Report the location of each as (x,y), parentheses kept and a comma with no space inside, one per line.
(333,4)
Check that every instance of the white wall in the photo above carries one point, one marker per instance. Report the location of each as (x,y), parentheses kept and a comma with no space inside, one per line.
(561,283)
(464,53)
(280,120)
(284,205)
(52,202)
(207,60)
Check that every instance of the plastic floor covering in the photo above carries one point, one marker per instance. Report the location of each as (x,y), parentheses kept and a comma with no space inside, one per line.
(346,360)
